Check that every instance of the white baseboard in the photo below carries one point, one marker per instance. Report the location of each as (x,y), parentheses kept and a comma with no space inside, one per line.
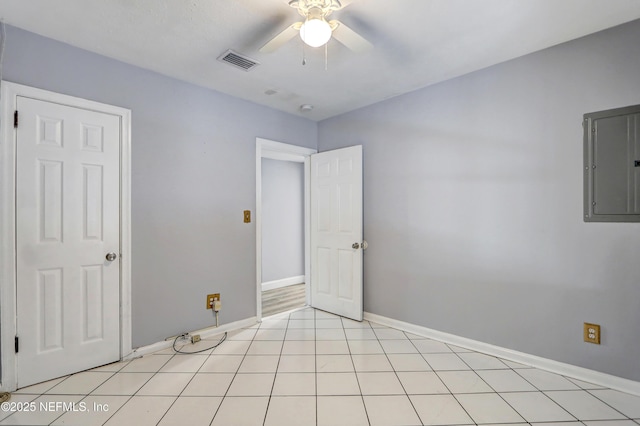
(580,373)
(204,333)
(272,285)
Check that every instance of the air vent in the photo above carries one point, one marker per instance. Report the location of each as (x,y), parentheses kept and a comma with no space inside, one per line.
(237,60)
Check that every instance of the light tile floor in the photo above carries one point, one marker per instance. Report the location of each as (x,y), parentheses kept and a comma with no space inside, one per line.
(313,368)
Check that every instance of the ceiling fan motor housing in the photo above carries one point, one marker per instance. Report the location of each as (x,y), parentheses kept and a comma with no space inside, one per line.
(315,30)
(315,13)
(308,7)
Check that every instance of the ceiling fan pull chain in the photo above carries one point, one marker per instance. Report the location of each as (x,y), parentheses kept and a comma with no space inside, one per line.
(326,56)
(304,60)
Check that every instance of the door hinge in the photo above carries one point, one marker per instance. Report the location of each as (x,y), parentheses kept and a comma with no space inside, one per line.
(17,344)
(15,119)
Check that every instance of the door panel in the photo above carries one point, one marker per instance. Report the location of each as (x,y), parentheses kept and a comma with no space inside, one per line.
(49,188)
(336,224)
(92,302)
(345,274)
(67,205)
(50,305)
(92,195)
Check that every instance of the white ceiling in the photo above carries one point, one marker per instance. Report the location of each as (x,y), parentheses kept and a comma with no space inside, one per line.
(416,42)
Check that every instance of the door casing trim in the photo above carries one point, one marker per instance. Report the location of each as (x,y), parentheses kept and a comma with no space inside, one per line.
(8,321)
(281,151)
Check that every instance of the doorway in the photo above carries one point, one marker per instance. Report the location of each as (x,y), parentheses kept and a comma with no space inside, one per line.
(65,235)
(333,226)
(283,281)
(282,236)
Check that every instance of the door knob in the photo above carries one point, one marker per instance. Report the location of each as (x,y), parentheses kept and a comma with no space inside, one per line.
(355,246)
(111,257)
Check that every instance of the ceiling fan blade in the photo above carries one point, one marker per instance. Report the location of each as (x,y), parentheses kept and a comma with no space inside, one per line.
(279,40)
(345,3)
(350,38)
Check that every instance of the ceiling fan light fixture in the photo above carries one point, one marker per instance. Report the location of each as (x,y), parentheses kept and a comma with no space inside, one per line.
(315,32)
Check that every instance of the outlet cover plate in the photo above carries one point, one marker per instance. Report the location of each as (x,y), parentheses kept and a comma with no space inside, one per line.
(210,298)
(592,333)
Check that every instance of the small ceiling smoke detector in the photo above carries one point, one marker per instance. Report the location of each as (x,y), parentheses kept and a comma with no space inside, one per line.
(238,60)
(306,107)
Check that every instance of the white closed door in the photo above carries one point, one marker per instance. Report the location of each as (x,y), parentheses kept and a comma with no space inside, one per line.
(67,225)
(336,232)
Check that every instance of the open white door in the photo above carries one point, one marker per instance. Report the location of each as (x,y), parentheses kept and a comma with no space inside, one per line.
(68,239)
(336,232)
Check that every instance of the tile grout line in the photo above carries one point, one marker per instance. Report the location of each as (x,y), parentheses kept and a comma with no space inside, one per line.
(275,375)
(143,385)
(543,392)
(537,390)
(130,397)
(443,382)
(188,383)
(88,394)
(386,355)
(607,404)
(234,374)
(315,364)
(366,412)
(490,387)
(37,396)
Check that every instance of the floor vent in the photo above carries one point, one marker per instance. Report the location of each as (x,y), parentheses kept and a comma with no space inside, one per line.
(237,60)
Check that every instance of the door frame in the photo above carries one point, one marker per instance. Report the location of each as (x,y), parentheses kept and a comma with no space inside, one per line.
(266,148)
(8,295)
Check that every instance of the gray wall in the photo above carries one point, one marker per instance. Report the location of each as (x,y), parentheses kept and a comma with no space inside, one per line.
(193,174)
(473,196)
(282,219)
(473,205)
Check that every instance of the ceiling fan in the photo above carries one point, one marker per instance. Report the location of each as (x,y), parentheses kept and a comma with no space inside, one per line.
(315,30)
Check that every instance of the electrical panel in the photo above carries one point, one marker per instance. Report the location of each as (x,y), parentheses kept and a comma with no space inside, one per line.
(612,165)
